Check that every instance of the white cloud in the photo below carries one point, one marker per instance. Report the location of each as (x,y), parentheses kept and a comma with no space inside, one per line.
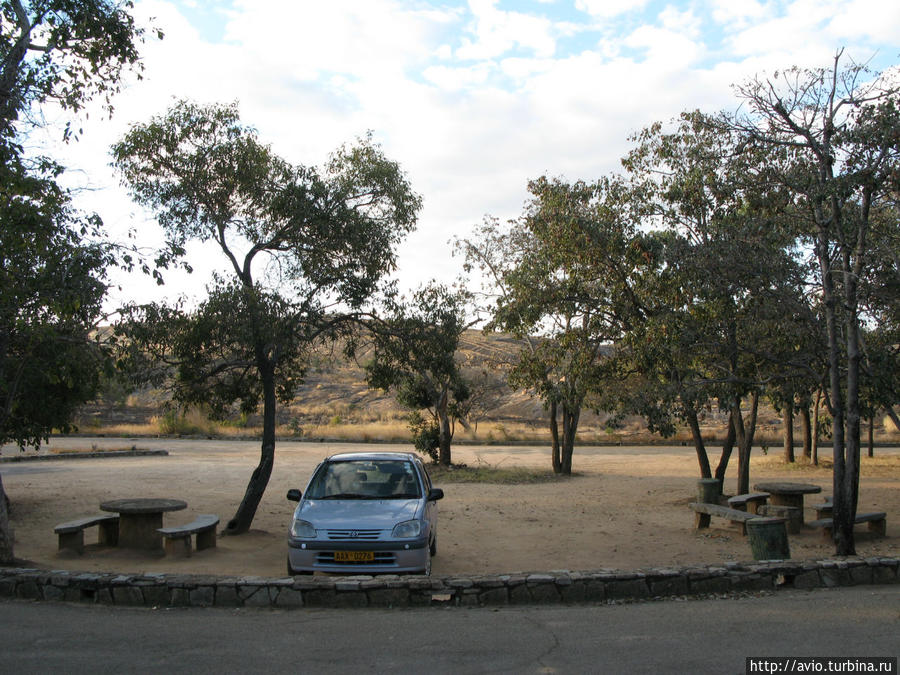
(737,15)
(472,100)
(497,32)
(609,8)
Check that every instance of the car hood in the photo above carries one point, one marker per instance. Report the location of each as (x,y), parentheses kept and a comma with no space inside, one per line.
(358,514)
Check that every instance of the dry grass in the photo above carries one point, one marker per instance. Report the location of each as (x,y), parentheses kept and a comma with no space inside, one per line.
(887,466)
(483,472)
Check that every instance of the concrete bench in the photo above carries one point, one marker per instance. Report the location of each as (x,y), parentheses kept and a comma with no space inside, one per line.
(71,534)
(177,540)
(877,523)
(749,502)
(825,509)
(792,515)
(703,513)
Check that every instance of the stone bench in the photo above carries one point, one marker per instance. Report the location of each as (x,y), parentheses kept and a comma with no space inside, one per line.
(825,509)
(749,502)
(177,540)
(792,515)
(877,523)
(71,534)
(703,513)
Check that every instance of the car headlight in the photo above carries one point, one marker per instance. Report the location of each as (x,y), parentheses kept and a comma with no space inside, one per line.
(407,529)
(303,529)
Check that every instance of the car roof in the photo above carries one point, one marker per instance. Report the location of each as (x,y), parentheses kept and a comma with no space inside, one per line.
(371,456)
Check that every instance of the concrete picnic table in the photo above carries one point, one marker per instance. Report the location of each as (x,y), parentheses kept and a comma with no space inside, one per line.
(140,518)
(788,494)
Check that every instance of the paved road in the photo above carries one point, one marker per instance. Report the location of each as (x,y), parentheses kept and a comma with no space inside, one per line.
(695,636)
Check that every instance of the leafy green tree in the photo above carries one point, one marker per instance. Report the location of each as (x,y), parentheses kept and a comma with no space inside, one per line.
(558,280)
(66,51)
(301,243)
(727,311)
(52,285)
(832,137)
(53,260)
(415,356)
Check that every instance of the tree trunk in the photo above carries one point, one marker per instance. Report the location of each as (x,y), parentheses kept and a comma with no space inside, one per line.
(787,416)
(806,429)
(699,446)
(243,518)
(727,449)
(744,435)
(554,436)
(843,493)
(570,427)
(6,533)
(872,435)
(815,429)
(444,433)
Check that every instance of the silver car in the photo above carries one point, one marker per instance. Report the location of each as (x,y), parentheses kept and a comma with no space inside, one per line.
(364,513)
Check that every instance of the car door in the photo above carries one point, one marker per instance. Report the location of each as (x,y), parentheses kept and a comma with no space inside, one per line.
(431,510)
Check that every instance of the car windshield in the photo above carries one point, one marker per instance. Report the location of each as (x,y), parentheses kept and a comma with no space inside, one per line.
(365,479)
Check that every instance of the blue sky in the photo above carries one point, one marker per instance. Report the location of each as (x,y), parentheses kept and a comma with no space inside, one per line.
(472,98)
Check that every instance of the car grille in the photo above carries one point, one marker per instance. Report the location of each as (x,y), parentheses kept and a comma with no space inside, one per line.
(353,535)
(381,558)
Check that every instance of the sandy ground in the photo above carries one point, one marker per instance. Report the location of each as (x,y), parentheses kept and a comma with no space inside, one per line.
(626,508)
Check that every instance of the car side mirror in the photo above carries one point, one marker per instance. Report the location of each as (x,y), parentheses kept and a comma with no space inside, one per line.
(294,495)
(434,494)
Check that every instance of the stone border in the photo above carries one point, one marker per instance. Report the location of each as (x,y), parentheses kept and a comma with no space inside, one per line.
(83,455)
(558,587)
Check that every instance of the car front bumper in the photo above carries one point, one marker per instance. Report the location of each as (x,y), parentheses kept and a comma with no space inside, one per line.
(309,555)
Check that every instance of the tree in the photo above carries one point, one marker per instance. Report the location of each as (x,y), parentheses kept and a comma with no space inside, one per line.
(558,279)
(66,51)
(725,315)
(52,285)
(53,260)
(415,355)
(300,242)
(832,135)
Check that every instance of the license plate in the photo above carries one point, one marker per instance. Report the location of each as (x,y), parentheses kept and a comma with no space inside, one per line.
(354,556)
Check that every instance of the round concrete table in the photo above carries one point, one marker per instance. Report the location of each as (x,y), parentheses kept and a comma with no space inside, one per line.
(139,520)
(788,494)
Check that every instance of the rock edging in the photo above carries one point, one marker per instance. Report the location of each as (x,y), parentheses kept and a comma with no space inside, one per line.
(557,587)
(96,454)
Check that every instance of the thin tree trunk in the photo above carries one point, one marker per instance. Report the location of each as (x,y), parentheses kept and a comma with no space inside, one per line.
(444,433)
(872,435)
(570,427)
(805,426)
(554,436)
(744,435)
(727,449)
(259,479)
(843,524)
(815,435)
(787,416)
(699,446)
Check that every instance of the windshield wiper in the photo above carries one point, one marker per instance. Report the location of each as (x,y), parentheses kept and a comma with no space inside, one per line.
(404,495)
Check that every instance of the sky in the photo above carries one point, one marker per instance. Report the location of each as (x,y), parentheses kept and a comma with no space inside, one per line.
(473,99)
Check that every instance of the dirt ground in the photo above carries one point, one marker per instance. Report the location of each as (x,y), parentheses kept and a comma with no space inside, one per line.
(626,508)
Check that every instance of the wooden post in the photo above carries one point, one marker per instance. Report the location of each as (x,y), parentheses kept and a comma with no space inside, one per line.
(768,539)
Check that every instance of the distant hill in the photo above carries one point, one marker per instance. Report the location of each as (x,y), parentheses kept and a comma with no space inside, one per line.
(334,396)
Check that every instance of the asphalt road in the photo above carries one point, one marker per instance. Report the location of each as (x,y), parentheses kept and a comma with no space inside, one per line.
(693,636)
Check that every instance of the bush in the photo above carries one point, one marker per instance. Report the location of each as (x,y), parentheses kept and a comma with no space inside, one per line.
(426,435)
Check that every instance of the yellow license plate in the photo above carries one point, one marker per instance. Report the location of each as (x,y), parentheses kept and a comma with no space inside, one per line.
(354,556)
